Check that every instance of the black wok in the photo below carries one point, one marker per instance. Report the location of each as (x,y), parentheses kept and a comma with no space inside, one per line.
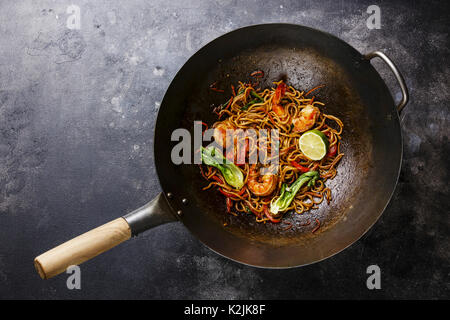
(305,57)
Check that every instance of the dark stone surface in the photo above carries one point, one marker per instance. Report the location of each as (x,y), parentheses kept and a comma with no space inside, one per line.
(77,112)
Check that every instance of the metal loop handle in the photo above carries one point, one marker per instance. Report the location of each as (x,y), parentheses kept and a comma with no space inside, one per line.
(397,74)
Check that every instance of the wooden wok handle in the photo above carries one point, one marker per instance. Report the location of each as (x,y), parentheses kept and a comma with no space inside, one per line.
(82,248)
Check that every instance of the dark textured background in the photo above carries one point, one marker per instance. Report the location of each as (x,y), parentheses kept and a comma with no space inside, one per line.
(77,112)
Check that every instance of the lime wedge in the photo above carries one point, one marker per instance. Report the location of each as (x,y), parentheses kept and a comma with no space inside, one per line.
(314,144)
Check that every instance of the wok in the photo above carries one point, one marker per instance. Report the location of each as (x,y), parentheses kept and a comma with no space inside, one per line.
(305,57)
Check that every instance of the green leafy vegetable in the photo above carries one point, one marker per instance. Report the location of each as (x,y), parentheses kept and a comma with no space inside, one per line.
(233,175)
(249,104)
(253,93)
(257,99)
(288,192)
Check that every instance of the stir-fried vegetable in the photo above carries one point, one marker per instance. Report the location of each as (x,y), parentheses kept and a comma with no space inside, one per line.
(229,204)
(288,193)
(257,99)
(299,167)
(250,104)
(257,96)
(332,151)
(233,175)
(269,216)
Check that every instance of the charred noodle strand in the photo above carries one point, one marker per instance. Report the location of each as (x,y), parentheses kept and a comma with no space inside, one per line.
(241,114)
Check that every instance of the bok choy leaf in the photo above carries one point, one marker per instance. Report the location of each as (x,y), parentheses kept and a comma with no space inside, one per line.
(288,193)
(233,175)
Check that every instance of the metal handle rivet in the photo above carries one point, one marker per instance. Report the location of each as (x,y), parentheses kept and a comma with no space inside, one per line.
(184,201)
(169,195)
(179,213)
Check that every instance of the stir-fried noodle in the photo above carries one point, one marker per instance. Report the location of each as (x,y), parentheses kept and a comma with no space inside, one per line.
(292,113)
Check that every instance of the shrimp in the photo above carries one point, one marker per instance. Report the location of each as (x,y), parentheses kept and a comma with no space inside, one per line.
(220,133)
(261,185)
(279,93)
(279,110)
(307,118)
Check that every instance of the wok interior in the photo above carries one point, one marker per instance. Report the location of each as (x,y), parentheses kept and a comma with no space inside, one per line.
(353,91)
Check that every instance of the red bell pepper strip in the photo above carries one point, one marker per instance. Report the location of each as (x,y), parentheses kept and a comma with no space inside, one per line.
(226,194)
(257,74)
(242,191)
(215,177)
(206,128)
(272,219)
(229,204)
(214,88)
(332,151)
(316,227)
(322,85)
(300,167)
